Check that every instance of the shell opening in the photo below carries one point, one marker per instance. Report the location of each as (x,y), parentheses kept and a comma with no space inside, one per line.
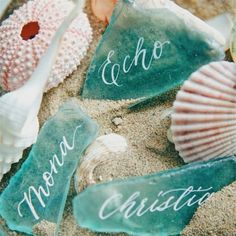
(30,30)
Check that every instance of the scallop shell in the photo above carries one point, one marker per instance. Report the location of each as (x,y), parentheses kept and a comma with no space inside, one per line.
(26,35)
(204,118)
(18,114)
(97,154)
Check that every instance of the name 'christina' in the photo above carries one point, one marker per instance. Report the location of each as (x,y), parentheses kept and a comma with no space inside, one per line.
(138,206)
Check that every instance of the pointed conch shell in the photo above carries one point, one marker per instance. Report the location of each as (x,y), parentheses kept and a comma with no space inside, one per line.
(99,153)
(19,109)
(204,118)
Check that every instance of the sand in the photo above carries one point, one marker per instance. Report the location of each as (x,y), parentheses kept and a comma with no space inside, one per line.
(149,150)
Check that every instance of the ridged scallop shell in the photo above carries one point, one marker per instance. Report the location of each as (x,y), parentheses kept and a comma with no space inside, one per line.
(204,117)
(99,153)
(27,33)
(19,109)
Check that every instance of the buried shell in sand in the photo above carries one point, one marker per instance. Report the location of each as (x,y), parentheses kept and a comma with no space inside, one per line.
(204,117)
(26,35)
(18,114)
(97,154)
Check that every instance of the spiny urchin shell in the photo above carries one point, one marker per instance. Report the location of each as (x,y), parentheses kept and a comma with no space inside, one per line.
(27,33)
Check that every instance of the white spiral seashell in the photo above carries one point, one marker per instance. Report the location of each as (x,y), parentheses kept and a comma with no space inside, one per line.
(204,118)
(19,109)
(97,154)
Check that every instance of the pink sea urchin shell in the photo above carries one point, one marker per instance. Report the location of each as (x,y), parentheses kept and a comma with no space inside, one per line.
(26,35)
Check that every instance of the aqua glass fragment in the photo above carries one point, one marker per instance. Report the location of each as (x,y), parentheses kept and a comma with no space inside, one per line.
(2,233)
(39,189)
(160,204)
(145,52)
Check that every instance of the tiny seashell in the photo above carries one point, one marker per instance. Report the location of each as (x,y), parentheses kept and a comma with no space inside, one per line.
(97,154)
(26,35)
(19,109)
(204,118)
(103,9)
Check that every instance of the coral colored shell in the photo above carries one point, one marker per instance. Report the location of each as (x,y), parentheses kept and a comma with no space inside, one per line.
(97,154)
(103,9)
(204,117)
(27,33)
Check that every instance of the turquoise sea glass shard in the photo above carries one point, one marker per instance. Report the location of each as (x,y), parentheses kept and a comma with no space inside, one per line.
(145,52)
(39,189)
(161,204)
(2,233)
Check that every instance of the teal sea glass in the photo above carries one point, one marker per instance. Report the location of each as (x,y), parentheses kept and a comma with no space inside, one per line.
(144,53)
(2,233)
(39,189)
(160,204)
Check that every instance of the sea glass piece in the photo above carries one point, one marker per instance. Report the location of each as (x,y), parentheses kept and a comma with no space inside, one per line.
(159,204)
(148,49)
(2,233)
(39,189)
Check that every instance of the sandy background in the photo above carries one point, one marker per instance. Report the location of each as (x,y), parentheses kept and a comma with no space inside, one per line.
(149,150)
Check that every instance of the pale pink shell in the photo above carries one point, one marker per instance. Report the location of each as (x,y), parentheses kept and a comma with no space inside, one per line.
(204,117)
(27,33)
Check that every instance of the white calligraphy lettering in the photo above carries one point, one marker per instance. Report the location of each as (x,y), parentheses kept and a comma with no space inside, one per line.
(134,206)
(113,69)
(44,192)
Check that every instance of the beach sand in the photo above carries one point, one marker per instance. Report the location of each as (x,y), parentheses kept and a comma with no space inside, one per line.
(145,129)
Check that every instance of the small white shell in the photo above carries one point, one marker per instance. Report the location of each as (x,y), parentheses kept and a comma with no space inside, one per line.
(224,24)
(204,118)
(98,153)
(19,109)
